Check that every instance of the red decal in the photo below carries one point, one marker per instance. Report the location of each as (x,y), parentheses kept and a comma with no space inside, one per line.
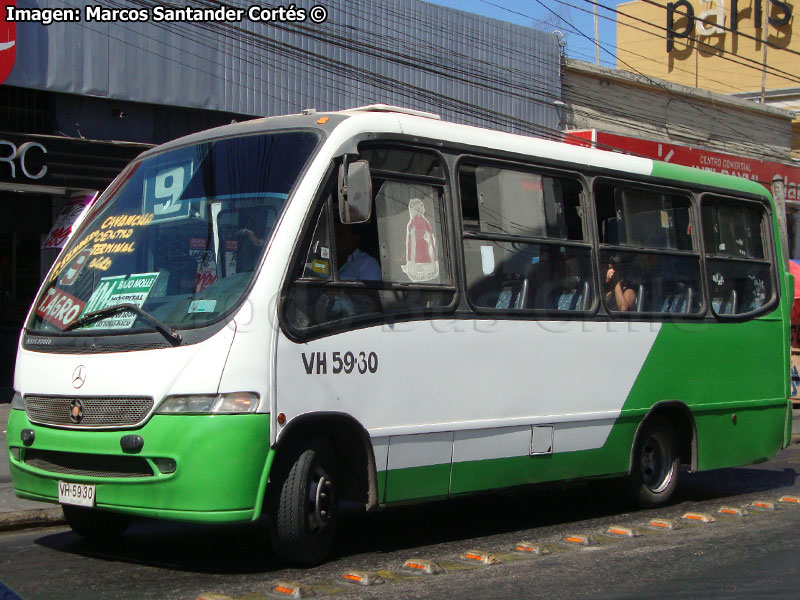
(59,308)
(8,41)
(70,274)
(204,279)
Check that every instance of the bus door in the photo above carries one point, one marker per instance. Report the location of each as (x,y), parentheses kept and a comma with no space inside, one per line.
(361,303)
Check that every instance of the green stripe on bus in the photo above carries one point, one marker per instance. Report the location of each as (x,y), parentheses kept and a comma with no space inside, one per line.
(611,459)
(417,483)
(710,178)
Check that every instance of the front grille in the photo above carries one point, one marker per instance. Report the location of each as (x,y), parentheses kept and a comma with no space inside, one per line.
(89,465)
(97,412)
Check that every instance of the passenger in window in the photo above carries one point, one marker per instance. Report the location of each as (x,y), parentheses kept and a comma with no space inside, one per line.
(619,296)
(355,263)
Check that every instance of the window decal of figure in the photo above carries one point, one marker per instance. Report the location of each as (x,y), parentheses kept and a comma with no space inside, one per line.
(422,262)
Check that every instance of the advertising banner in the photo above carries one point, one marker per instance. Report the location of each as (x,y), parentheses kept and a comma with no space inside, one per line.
(63,226)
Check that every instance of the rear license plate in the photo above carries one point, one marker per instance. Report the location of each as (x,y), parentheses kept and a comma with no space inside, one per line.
(79,494)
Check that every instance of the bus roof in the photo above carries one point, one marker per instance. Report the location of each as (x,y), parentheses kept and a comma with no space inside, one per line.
(382,118)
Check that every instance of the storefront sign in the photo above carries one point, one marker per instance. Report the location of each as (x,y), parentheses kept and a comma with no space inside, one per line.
(24,162)
(682,21)
(749,168)
(63,162)
(8,41)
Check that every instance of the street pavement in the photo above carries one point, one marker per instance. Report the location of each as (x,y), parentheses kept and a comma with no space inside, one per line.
(8,500)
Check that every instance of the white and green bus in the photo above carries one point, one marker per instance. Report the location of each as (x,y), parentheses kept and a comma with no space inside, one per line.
(375,306)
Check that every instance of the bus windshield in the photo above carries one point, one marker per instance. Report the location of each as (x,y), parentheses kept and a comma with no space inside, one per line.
(179,238)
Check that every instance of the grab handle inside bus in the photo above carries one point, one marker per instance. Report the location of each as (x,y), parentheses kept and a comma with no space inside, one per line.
(355,192)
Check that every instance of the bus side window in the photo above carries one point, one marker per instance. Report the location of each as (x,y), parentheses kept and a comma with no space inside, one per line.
(318,261)
(524,244)
(368,271)
(410,228)
(738,270)
(647,261)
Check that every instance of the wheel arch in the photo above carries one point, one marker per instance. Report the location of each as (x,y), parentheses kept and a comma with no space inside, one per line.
(351,443)
(682,419)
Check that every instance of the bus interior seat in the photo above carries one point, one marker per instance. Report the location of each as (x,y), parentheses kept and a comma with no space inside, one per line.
(573,296)
(755,303)
(679,301)
(639,302)
(513,292)
(725,303)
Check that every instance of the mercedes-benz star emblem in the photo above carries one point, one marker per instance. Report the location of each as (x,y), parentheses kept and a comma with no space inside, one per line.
(76,411)
(78,376)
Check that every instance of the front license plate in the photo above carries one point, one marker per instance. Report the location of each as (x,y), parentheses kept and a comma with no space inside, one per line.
(80,494)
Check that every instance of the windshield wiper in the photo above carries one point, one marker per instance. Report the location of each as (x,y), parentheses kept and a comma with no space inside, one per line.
(173,336)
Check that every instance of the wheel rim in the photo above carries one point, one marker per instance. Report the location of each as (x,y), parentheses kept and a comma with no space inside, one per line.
(321,500)
(657,462)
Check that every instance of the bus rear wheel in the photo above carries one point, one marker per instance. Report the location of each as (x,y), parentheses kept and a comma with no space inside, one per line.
(656,464)
(95,524)
(304,506)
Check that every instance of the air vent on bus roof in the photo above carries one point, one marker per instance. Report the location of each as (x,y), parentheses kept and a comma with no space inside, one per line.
(394,109)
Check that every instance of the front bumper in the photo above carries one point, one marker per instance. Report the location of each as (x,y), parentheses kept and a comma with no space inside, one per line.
(222,464)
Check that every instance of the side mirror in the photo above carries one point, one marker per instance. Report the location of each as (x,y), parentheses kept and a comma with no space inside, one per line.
(355,192)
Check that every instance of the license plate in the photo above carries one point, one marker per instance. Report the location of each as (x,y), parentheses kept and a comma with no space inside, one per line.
(79,494)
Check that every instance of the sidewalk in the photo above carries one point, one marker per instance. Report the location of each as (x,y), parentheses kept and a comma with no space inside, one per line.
(16,513)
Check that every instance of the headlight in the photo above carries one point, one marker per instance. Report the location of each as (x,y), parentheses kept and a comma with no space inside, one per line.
(194,404)
(17,403)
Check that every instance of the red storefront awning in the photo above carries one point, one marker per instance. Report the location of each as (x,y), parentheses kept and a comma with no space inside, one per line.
(749,168)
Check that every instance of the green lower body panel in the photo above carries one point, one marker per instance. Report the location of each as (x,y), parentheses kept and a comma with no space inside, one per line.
(754,435)
(611,459)
(417,483)
(222,464)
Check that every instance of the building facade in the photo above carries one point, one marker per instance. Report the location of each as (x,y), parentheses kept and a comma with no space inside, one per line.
(84,95)
(743,49)
(735,47)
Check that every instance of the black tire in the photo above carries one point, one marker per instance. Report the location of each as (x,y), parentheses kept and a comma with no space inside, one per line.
(95,524)
(656,464)
(303,505)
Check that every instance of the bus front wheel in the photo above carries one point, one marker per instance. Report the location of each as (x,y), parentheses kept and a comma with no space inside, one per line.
(95,524)
(656,464)
(304,506)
